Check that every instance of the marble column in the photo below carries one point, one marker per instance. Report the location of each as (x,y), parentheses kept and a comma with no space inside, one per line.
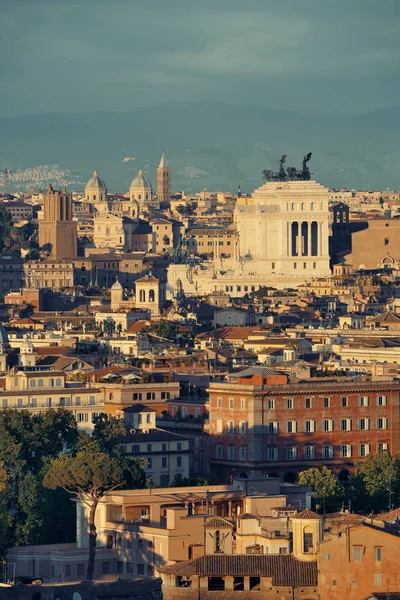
(320,234)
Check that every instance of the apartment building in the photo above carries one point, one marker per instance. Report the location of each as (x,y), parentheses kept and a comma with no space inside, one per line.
(141,531)
(38,391)
(221,572)
(215,241)
(359,561)
(266,427)
(166,234)
(167,454)
(11,273)
(119,396)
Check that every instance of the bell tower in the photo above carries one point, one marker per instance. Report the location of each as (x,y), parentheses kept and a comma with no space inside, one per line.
(308,532)
(163,180)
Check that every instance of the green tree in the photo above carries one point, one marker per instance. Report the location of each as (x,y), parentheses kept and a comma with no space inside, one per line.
(89,475)
(6,226)
(107,431)
(380,475)
(323,482)
(179,481)
(26,441)
(4,515)
(170,331)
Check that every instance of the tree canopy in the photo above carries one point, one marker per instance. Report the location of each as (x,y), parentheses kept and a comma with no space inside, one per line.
(26,442)
(12,238)
(328,490)
(88,475)
(375,486)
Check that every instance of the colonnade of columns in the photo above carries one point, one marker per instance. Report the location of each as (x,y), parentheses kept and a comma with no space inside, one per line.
(305,238)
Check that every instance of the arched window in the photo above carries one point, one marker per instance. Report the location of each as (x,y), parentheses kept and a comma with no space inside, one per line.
(107,231)
(142,296)
(40,383)
(58,382)
(101,196)
(308,542)
(139,419)
(148,418)
(94,196)
(32,383)
(151,296)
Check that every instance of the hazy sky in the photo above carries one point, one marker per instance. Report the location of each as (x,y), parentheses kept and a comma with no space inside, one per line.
(324,56)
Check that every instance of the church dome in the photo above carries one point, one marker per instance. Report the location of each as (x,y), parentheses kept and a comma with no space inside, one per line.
(95,188)
(140,182)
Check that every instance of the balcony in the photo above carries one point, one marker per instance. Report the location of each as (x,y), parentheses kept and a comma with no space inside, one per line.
(276,535)
(136,525)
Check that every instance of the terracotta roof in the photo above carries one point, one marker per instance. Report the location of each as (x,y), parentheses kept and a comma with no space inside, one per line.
(387,317)
(392,515)
(26,321)
(283,569)
(218,522)
(138,326)
(226,333)
(307,514)
(247,516)
(53,350)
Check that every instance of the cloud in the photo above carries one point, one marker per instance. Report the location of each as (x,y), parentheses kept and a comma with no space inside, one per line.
(83,55)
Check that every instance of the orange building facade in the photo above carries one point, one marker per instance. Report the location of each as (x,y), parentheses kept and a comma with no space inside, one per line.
(277,429)
(359,561)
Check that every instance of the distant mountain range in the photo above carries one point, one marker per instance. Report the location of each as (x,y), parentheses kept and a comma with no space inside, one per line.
(211,145)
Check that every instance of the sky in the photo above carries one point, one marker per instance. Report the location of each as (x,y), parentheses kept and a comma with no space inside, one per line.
(326,57)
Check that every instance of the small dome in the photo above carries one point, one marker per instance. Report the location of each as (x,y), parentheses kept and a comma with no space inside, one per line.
(26,346)
(116,286)
(140,182)
(95,183)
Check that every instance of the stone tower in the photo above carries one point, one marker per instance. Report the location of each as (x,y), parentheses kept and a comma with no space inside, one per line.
(163,180)
(58,230)
(150,294)
(308,532)
(26,356)
(117,295)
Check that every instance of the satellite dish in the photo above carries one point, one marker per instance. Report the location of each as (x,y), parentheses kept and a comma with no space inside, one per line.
(76,596)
